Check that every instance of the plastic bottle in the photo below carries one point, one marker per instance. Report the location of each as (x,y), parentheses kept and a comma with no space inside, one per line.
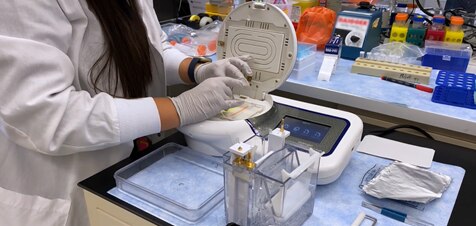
(455,32)
(402,8)
(436,31)
(418,21)
(398,8)
(411,8)
(417,31)
(299,6)
(399,28)
(386,7)
(285,6)
(304,4)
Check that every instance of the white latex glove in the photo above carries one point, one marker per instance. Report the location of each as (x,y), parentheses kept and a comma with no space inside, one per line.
(234,67)
(207,99)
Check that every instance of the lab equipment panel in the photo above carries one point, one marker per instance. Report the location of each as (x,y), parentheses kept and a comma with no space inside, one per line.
(308,129)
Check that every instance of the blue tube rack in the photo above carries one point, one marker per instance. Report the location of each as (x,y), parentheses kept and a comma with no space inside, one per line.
(455,88)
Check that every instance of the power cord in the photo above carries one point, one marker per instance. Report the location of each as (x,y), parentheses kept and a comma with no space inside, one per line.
(423,9)
(410,14)
(382,133)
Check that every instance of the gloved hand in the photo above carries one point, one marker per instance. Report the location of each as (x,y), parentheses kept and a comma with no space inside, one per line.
(234,67)
(207,99)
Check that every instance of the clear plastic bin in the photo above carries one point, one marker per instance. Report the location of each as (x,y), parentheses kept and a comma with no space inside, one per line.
(177,179)
(304,72)
(306,55)
(447,56)
(306,61)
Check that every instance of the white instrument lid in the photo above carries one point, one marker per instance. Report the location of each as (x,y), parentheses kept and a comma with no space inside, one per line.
(264,32)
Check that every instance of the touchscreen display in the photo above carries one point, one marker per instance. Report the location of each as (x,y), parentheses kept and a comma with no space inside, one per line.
(306,130)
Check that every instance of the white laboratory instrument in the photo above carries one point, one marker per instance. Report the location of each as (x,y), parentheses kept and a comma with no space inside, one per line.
(265,32)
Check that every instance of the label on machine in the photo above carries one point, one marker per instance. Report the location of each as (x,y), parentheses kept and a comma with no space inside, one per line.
(352,30)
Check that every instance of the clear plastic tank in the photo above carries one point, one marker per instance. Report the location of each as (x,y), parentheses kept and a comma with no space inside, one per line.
(279,190)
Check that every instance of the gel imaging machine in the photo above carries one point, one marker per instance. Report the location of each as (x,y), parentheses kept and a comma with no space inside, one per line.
(265,33)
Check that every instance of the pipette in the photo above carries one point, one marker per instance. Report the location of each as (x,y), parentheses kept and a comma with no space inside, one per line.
(396,215)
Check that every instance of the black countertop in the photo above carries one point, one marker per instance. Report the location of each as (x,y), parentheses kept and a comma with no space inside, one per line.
(100,183)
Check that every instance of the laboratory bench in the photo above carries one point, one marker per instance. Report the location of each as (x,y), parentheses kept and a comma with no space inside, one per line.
(463,160)
(383,103)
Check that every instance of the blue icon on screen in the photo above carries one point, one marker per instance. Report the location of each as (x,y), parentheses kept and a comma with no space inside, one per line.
(296,129)
(317,135)
(306,132)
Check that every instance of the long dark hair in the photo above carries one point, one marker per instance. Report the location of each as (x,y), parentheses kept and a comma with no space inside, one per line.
(127,48)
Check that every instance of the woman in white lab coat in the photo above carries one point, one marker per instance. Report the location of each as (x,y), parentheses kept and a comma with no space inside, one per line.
(74,81)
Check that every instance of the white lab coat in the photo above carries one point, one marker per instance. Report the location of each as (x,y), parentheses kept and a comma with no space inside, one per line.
(54,129)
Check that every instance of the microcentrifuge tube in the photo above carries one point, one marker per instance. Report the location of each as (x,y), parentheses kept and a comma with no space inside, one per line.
(362,54)
(370,56)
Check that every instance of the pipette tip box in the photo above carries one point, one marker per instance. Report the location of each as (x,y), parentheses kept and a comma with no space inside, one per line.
(447,56)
